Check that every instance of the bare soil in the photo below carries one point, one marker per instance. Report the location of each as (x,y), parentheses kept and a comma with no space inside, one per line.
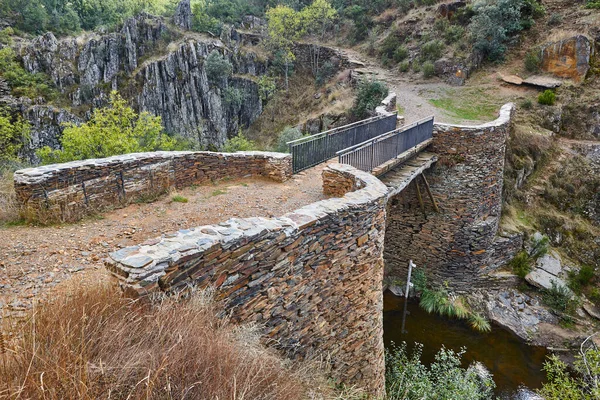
(34,260)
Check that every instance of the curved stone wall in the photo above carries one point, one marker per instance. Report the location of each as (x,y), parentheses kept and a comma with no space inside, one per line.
(67,192)
(312,278)
(460,244)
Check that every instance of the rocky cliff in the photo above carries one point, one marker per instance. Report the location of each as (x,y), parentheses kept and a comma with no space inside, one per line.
(156,66)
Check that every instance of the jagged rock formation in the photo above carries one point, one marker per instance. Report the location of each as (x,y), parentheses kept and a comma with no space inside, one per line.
(156,68)
(183,15)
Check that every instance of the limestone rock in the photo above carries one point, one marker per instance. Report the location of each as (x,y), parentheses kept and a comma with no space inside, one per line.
(568,58)
(183,15)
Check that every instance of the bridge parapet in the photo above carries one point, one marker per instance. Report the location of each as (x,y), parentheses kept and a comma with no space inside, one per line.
(312,278)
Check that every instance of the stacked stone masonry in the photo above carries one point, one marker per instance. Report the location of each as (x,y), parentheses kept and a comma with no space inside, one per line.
(67,192)
(460,243)
(312,278)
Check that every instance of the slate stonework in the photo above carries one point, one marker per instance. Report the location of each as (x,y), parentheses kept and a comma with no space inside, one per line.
(312,278)
(460,244)
(67,192)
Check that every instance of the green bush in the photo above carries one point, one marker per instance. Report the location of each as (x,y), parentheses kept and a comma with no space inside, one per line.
(287,135)
(14,133)
(116,129)
(533,60)
(406,378)
(560,298)
(454,33)
(428,70)
(521,264)
(582,278)
(233,97)
(369,96)
(555,19)
(218,68)
(266,88)
(563,385)
(238,143)
(6,36)
(547,98)
(21,82)
(404,66)
(432,50)
(527,104)
(400,54)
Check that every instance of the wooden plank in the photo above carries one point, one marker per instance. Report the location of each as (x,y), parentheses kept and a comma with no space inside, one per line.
(435,206)
(419,197)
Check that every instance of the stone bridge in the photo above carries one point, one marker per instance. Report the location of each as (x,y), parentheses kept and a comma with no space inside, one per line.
(313,277)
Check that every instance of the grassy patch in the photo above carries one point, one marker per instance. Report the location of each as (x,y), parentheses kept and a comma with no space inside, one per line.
(469,104)
(218,192)
(179,199)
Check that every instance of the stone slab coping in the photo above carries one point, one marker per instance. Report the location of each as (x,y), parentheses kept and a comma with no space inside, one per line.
(144,264)
(402,157)
(398,179)
(503,118)
(42,172)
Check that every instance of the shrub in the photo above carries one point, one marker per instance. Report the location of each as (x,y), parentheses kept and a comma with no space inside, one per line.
(555,19)
(218,68)
(21,82)
(562,385)
(533,60)
(547,98)
(177,198)
(112,130)
(400,53)
(93,343)
(521,264)
(390,46)
(369,96)
(14,132)
(454,33)
(527,104)
(432,50)
(325,72)
(428,70)
(287,135)
(406,378)
(233,97)
(266,88)
(238,143)
(404,66)
(581,278)
(560,298)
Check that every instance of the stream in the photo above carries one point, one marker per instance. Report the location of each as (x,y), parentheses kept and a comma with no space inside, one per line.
(514,364)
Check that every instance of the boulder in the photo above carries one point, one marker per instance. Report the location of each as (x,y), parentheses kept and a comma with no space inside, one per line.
(544,82)
(550,263)
(543,280)
(455,72)
(512,79)
(591,310)
(568,58)
(447,10)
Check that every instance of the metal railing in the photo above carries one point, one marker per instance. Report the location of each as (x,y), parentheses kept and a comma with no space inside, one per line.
(377,151)
(315,149)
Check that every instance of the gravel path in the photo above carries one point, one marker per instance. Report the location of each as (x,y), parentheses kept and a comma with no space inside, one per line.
(34,260)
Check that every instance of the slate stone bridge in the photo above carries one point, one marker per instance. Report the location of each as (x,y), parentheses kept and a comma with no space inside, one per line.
(311,278)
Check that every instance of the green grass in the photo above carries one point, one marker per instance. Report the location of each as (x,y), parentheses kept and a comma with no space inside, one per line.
(470,105)
(179,199)
(218,192)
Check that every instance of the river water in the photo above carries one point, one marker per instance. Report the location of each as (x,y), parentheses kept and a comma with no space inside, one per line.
(513,363)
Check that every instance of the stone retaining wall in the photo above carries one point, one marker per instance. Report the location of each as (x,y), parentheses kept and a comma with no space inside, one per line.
(460,244)
(67,192)
(312,278)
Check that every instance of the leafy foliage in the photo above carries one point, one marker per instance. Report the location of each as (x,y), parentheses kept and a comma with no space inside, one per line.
(65,17)
(521,264)
(218,68)
(560,298)
(287,135)
(266,88)
(496,22)
(14,132)
(428,69)
(562,385)
(238,143)
(408,379)
(547,98)
(21,82)
(369,96)
(112,130)
(533,60)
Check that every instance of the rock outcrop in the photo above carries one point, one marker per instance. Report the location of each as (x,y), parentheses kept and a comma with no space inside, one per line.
(156,68)
(183,15)
(568,58)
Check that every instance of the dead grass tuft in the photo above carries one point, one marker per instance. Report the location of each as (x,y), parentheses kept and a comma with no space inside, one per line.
(94,343)
(9,211)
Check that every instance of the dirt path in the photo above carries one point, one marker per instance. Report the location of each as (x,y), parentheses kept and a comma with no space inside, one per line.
(34,260)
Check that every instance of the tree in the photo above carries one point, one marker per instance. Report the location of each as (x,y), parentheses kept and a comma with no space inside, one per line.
(112,130)
(14,132)
(218,68)
(284,26)
(317,18)
(369,96)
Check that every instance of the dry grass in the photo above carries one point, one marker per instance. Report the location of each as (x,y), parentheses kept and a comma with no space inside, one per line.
(9,212)
(93,343)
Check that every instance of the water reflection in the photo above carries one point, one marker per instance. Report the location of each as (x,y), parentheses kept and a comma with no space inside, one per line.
(513,363)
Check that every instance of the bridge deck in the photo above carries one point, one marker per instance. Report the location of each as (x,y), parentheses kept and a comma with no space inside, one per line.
(398,178)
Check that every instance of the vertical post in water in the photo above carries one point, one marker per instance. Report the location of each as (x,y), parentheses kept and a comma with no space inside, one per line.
(408,284)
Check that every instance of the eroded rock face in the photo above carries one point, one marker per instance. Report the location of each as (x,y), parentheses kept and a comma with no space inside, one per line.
(183,15)
(173,86)
(569,58)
